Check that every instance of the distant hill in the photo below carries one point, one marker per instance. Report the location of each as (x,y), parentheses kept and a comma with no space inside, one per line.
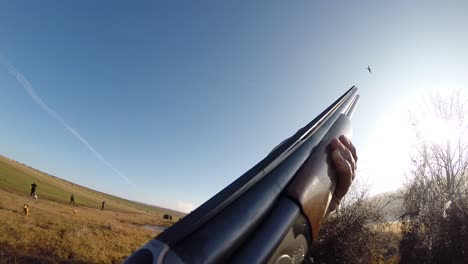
(391,204)
(17,178)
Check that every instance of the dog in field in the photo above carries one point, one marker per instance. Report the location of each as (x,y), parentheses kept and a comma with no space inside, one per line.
(26,210)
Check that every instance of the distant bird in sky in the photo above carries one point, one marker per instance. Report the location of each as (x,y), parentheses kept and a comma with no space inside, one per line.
(369,69)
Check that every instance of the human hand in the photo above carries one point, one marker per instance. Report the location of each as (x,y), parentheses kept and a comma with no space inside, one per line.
(344,159)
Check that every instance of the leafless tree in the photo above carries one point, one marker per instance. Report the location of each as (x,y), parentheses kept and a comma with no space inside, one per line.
(436,191)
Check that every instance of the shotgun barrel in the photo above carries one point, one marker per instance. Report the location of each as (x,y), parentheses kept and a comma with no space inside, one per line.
(270,214)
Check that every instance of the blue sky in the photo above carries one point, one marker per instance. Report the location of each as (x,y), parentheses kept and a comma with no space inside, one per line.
(182,98)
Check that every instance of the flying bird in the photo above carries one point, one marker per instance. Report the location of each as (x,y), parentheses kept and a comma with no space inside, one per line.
(369,69)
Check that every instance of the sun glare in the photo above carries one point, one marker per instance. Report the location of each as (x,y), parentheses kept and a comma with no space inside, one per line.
(386,156)
(439,131)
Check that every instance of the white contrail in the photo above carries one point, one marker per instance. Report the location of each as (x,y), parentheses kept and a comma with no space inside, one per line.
(32,93)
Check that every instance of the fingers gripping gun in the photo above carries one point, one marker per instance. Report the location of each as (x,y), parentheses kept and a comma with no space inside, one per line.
(272,213)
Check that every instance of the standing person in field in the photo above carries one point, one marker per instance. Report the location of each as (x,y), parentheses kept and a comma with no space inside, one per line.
(103,204)
(33,189)
(72,200)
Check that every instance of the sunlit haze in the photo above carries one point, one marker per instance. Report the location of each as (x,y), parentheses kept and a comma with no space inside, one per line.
(385,160)
(167,104)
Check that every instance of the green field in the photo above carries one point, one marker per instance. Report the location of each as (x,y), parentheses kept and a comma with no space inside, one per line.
(16,177)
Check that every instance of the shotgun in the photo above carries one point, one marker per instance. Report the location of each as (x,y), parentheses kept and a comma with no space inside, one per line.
(270,214)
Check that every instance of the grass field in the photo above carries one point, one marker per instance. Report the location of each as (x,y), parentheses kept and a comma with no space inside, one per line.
(53,233)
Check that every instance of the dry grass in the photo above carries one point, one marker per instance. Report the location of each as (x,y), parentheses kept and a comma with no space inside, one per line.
(394,228)
(385,244)
(52,233)
(16,177)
